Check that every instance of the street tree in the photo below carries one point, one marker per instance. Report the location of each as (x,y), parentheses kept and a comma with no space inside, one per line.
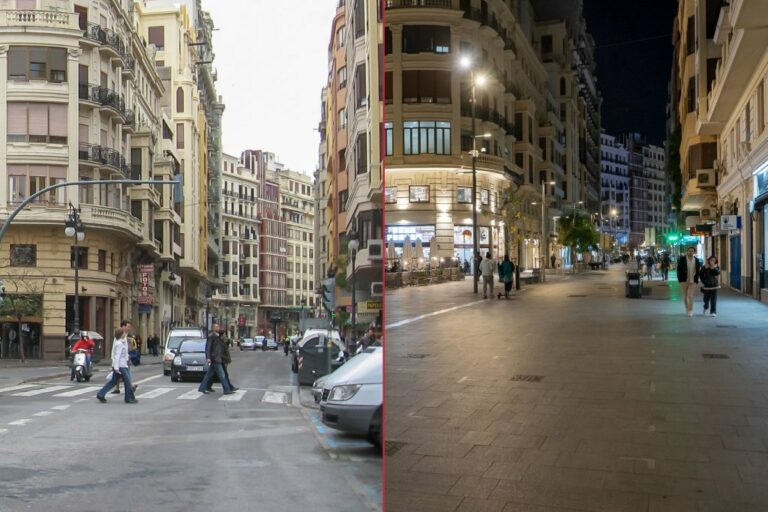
(577,232)
(23,298)
(511,202)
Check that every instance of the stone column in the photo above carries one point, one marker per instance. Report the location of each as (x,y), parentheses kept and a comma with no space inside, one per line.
(4,116)
(73,120)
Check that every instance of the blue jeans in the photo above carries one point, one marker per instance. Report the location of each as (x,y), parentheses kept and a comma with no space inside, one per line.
(218,368)
(128,387)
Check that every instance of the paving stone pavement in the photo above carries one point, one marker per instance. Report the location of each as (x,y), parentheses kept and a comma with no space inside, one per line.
(572,397)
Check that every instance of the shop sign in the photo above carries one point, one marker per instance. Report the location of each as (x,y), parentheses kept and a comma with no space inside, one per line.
(701,230)
(730,222)
(146,285)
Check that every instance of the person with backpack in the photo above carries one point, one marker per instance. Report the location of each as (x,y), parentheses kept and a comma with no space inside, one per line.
(666,262)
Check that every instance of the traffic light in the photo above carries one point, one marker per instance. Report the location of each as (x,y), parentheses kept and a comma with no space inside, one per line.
(327,293)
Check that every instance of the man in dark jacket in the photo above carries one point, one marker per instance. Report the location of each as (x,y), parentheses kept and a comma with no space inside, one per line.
(688,267)
(226,360)
(214,353)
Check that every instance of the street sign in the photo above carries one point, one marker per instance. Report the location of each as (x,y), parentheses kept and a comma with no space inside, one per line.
(730,222)
(702,230)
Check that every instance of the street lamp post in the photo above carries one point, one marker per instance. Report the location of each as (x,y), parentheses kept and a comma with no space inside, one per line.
(353,245)
(171,285)
(466,63)
(74,228)
(544,237)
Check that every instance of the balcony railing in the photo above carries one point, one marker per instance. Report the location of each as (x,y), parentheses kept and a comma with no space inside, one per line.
(103,96)
(107,37)
(434,4)
(30,18)
(103,156)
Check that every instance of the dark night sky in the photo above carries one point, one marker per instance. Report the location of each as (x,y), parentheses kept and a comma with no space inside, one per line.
(632,75)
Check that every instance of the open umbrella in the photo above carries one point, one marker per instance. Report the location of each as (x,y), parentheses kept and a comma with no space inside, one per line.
(419,254)
(391,251)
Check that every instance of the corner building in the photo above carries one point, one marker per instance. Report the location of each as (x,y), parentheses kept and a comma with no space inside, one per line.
(539,105)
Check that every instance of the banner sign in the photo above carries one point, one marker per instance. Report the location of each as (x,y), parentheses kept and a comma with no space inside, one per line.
(730,222)
(146,284)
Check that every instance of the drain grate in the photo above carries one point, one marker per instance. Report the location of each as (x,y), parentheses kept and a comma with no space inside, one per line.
(527,378)
(417,356)
(577,296)
(392,447)
(715,356)
(723,326)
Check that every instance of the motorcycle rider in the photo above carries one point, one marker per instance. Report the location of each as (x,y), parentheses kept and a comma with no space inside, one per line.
(86,344)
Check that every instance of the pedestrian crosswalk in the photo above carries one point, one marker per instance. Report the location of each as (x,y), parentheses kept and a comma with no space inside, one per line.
(177,393)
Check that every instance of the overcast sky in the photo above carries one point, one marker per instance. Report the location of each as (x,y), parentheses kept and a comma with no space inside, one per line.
(272,60)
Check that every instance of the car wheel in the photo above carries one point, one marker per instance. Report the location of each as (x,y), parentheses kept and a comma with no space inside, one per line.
(175,378)
(166,372)
(374,432)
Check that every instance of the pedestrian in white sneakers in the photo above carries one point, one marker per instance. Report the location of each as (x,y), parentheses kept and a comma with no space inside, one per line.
(710,283)
(688,268)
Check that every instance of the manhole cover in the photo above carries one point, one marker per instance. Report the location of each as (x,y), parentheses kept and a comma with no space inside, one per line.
(715,356)
(577,295)
(722,326)
(392,447)
(527,378)
(417,356)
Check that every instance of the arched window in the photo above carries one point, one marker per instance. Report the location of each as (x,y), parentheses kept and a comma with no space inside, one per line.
(179,100)
(562,86)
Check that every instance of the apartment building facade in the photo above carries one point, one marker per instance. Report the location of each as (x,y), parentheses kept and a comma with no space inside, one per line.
(721,67)
(614,189)
(532,108)
(236,302)
(298,211)
(648,189)
(81,104)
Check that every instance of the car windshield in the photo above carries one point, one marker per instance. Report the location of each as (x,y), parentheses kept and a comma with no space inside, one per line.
(195,345)
(175,341)
(247,340)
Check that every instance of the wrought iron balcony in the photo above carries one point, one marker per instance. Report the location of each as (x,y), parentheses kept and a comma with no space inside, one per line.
(104,156)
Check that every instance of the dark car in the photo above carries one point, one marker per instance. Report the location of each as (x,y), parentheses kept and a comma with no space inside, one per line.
(190,361)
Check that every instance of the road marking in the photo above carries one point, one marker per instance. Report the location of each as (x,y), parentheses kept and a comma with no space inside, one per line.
(275,397)
(651,462)
(43,413)
(149,379)
(235,397)
(435,313)
(35,392)
(461,380)
(3,430)
(192,394)
(17,388)
(155,393)
(20,423)
(81,391)
(60,407)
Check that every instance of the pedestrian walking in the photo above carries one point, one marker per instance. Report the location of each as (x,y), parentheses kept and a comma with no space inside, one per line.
(226,360)
(650,263)
(119,367)
(506,271)
(688,268)
(552,260)
(666,262)
(486,270)
(214,353)
(710,283)
(287,345)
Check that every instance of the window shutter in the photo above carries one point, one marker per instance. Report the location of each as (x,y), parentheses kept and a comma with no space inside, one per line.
(57,171)
(59,120)
(38,119)
(38,170)
(157,36)
(26,5)
(17,118)
(83,133)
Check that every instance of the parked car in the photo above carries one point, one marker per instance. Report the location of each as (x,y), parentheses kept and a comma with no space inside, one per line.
(175,337)
(189,361)
(351,399)
(271,344)
(247,344)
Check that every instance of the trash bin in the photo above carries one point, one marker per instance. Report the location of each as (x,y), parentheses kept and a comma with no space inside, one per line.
(314,359)
(634,285)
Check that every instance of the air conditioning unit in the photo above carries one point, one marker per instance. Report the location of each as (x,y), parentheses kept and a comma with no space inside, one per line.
(377,289)
(375,250)
(705,178)
(707,213)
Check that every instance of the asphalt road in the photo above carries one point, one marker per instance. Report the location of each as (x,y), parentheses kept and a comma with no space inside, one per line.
(572,397)
(62,450)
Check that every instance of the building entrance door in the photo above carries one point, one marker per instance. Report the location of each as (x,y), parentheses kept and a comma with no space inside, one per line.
(735,262)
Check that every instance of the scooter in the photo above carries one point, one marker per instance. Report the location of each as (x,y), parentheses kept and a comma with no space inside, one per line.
(83,368)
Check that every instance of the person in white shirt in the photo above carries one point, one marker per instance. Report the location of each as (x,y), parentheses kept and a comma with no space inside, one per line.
(486,270)
(119,366)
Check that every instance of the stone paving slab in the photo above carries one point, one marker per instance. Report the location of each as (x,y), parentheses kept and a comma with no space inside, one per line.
(558,403)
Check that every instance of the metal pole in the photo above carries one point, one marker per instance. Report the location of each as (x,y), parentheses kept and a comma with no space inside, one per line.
(352,335)
(542,247)
(76,322)
(475,249)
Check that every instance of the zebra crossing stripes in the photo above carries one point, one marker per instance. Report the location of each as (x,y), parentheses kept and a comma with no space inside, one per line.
(155,393)
(35,392)
(80,391)
(17,388)
(234,397)
(192,394)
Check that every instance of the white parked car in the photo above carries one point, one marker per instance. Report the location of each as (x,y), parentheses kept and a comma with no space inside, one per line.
(351,399)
